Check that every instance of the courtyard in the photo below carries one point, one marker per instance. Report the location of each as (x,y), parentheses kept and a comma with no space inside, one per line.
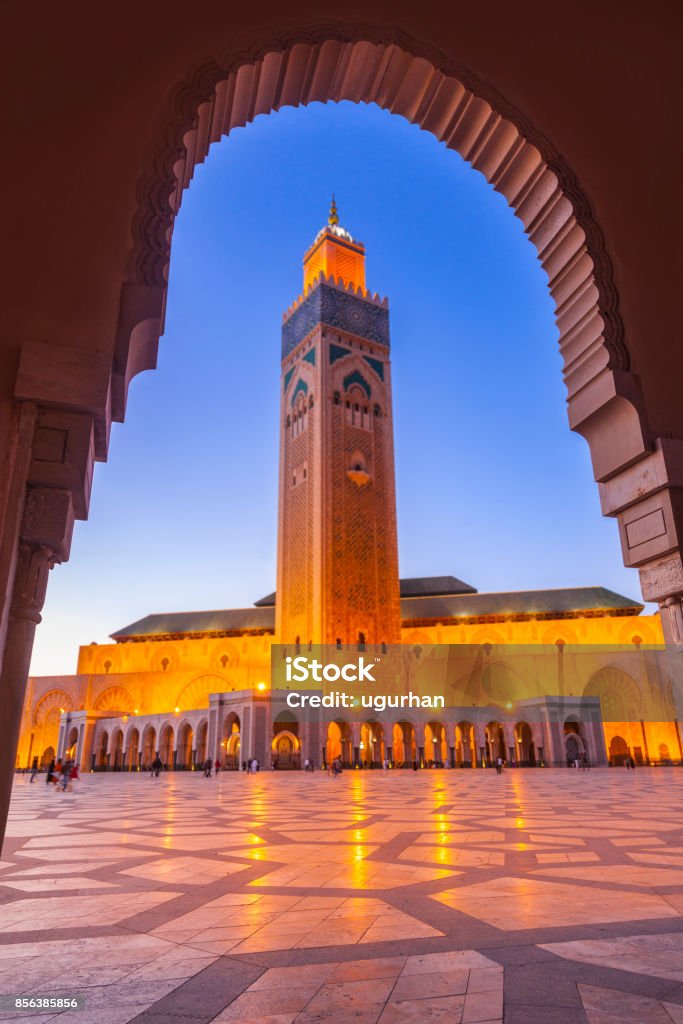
(381,896)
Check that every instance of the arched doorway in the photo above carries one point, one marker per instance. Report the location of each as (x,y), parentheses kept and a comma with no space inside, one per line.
(524,745)
(286,745)
(202,739)
(618,750)
(372,752)
(149,746)
(465,754)
(574,741)
(71,745)
(231,744)
(495,742)
(47,758)
(339,743)
(286,751)
(101,756)
(132,749)
(346,61)
(116,757)
(436,751)
(166,746)
(404,746)
(184,752)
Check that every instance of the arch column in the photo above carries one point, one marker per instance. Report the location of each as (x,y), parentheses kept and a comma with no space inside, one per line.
(45,539)
(647,500)
(449,733)
(479,744)
(509,733)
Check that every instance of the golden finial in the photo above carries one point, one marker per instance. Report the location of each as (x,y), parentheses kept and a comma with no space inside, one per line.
(333,218)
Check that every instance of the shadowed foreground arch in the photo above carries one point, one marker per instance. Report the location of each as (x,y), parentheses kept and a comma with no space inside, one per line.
(76,392)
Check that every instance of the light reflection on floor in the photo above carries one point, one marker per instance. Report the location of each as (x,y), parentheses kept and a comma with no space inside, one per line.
(387,897)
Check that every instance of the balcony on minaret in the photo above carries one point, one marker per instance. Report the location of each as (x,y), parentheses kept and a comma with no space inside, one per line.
(336,255)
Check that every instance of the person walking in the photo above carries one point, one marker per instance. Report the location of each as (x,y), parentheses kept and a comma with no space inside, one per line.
(254,765)
(50,772)
(207,768)
(157,765)
(217,766)
(34,768)
(499,765)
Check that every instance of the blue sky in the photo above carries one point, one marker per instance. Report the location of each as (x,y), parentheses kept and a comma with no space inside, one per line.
(492,485)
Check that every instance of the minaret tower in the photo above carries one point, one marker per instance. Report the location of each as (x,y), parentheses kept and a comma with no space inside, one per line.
(337,577)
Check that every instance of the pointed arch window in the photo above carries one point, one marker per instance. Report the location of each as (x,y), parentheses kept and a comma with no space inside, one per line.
(299,416)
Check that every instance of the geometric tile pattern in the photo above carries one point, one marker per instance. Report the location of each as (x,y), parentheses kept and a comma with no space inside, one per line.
(388,897)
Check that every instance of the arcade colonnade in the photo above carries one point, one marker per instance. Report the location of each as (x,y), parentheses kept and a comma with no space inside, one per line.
(79,329)
(238,727)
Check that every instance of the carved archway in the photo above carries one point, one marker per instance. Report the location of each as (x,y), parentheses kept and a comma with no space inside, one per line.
(196,694)
(114,699)
(371,65)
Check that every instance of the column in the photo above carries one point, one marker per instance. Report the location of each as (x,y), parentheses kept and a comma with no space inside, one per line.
(45,539)
(509,733)
(449,732)
(355,743)
(63,736)
(479,744)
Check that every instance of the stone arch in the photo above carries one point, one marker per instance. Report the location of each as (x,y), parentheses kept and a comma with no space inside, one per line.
(372,750)
(46,718)
(149,746)
(371,64)
(132,748)
(465,744)
(102,750)
(404,742)
(286,750)
(165,658)
(435,742)
(231,743)
(502,686)
(495,741)
(116,750)
(417,637)
(225,656)
(185,744)
(71,744)
(560,632)
(196,694)
(339,742)
(525,748)
(619,750)
(53,700)
(167,744)
(201,750)
(115,698)
(620,697)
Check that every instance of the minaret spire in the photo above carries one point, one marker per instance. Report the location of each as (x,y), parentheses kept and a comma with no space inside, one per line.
(333,218)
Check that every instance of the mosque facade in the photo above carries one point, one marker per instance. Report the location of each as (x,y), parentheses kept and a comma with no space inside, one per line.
(200,685)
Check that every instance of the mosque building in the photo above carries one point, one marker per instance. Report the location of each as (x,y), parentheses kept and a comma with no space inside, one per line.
(196,685)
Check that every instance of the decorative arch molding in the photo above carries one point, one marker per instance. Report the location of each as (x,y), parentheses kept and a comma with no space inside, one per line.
(115,698)
(196,694)
(334,61)
(53,700)
(621,698)
(132,733)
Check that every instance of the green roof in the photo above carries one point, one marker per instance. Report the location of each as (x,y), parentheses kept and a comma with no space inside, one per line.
(439,606)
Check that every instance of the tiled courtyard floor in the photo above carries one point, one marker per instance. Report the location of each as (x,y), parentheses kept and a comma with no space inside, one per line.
(538,897)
